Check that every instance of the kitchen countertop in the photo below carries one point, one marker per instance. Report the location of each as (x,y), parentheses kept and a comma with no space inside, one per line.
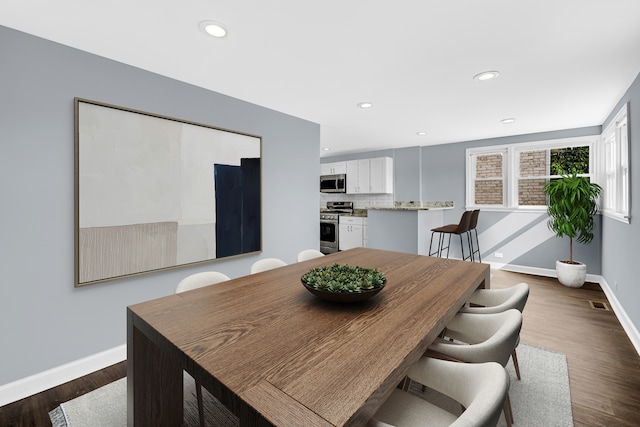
(415,206)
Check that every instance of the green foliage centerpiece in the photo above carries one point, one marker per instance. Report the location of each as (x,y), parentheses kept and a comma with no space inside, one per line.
(343,283)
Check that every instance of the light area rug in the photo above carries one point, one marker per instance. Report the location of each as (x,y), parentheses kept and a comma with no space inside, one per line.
(541,398)
(107,407)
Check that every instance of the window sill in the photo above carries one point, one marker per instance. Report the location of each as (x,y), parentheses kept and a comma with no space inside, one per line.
(523,209)
(617,216)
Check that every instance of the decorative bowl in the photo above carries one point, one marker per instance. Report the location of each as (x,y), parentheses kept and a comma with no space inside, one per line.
(343,283)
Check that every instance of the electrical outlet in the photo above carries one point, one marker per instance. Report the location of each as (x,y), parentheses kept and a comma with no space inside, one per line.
(499,255)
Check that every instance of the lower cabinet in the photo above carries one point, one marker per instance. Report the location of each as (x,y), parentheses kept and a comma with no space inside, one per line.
(352,231)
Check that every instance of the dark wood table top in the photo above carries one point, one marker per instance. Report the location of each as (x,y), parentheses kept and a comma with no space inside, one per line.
(265,342)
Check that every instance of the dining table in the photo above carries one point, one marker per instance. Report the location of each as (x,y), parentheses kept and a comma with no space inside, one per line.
(277,355)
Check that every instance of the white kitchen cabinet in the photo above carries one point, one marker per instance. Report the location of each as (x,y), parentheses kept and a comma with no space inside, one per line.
(351,232)
(370,176)
(358,176)
(333,168)
(381,175)
(365,233)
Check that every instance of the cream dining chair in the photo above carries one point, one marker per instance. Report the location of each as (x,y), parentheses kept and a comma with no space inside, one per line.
(198,280)
(479,338)
(481,388)
(487,301)
(266,264)
(309,254)
(195,281)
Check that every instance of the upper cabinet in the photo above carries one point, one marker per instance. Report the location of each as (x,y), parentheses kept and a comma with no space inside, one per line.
(366,176)
(381,175)
(333,168)
(358,176)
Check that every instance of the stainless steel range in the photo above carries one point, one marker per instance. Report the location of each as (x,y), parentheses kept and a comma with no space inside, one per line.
(329,227)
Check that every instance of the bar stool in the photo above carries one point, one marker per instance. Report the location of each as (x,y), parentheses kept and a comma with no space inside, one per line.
(473,223)
(461,228)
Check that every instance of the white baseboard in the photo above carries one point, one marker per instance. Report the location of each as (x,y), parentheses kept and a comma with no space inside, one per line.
(625,321)
(37,383)
(628,326)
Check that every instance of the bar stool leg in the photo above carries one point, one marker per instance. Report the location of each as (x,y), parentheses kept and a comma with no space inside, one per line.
(478,245)
(448,245)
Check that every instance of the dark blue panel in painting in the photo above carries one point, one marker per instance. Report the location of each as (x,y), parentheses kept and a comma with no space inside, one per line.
(228,187)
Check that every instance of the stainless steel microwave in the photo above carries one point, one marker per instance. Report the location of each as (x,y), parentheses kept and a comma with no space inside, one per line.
(333,183)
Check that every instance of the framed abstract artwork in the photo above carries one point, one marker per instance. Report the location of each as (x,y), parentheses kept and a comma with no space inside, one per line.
(155,192)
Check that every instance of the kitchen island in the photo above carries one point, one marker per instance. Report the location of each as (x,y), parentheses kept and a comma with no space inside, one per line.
(405,227)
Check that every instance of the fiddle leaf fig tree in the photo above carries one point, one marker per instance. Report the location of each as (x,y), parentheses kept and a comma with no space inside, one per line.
(572,203)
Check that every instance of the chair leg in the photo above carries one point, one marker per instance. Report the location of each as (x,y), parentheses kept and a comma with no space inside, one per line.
(435,252)
(431,243)
(200,404)
(470,256)
(478,245)
(514,357)
(508,414)
(448,245)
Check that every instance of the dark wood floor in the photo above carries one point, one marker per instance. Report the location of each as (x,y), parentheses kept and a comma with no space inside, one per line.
(604,368)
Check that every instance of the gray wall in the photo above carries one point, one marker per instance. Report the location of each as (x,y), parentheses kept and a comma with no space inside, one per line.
(522,237)
(615,248)
(44,321)
(438,173)
(621,242)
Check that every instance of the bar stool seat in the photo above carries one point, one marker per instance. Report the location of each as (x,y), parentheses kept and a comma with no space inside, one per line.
(461,228)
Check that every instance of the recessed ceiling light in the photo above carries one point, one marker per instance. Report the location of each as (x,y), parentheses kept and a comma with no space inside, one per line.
(213,28)
(486,75)
(365,105)
(326,149)
(507,121)
(421,133)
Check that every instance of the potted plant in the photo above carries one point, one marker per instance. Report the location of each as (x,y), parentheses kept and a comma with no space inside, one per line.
(572,203)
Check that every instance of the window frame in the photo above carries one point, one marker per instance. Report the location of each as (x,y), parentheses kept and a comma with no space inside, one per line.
(511,176)
(615,202)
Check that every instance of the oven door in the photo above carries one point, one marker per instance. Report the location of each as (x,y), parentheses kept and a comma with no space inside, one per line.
(328,236)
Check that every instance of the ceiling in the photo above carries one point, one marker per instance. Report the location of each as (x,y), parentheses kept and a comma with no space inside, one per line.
(563,63)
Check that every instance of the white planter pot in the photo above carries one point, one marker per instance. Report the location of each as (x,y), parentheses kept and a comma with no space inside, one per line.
(571,275)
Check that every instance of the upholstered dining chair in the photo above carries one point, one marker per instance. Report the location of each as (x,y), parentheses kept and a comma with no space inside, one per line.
(479,338)
(309,254)
(487,301)
(198,280)
(266,264)
(195,281)
(481,388)
(461,228)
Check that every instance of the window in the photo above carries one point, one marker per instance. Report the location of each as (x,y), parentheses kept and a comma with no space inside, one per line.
(513,176)
(489,179)
(615,168)
(532,173)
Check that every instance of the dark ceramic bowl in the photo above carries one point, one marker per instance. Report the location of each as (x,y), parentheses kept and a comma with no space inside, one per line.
(343,297)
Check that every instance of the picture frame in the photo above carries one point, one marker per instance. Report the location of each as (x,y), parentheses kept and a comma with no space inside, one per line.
(154,192)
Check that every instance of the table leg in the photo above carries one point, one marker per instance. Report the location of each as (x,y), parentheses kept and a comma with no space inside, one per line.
(154,382)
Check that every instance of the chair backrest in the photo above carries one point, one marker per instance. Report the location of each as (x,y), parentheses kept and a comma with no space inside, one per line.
(498,300)
(480,387)
(198,280)
(309,254)
(463,225)
(266,264)
(473,219)
(488,337)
